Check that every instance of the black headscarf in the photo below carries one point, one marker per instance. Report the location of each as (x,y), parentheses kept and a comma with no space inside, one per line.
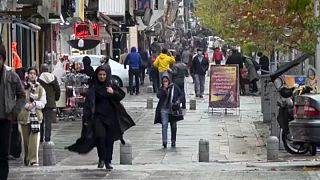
(100,87)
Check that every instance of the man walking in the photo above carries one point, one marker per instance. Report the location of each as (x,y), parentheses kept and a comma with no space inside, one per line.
(238,59)
(50,84)
(134,61)
(180,71)
(200,66)
(123,56)
(264,63)
(12,99)
(144,64)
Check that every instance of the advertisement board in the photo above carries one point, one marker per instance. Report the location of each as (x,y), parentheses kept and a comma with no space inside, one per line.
(291,80)
(224,86)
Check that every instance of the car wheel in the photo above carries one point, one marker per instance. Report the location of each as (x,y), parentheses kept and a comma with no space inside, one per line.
(116,80)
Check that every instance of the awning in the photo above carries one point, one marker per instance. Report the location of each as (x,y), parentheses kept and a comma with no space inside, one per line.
(84,44)
(107,20)
(156,16)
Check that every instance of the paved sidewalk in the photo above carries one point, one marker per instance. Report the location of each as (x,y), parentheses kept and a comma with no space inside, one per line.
(233,138)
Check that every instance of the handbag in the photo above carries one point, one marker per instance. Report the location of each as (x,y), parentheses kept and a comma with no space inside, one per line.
(35,125)
(176,113)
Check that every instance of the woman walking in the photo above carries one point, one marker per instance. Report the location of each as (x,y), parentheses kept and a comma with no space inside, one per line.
(104,118)
(168,109)
(31,117)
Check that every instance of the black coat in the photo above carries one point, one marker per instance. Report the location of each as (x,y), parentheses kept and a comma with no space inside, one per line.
(236,58)
(200,68)
(162,95)
(87,141)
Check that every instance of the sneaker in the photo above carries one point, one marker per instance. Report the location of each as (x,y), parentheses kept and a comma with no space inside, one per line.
(34,164)
(164,145)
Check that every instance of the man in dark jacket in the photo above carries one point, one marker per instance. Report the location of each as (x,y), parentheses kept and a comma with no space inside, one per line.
(50,83)
(264,63)
(237,59)
(144,64)
(200,66)
(134,61)
(180,71)
(12,99)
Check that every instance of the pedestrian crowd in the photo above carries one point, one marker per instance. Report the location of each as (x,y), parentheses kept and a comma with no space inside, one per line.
(29,102)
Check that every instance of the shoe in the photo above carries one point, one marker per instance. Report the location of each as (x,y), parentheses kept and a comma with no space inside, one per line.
(34,164)
(108,166)
(137,93)
(101,164)
(173,144)
(131,93)
(197,95)
(164,145)
(201,96)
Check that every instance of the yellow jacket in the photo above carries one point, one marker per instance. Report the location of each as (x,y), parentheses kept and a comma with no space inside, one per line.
(163,62)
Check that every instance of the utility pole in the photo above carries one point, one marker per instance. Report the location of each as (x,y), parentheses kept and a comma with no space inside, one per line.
(317,60)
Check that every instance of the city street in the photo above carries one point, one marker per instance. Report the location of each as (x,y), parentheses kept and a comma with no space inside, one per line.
(237,150)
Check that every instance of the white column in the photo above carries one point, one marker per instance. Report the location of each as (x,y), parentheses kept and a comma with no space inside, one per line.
(133,37)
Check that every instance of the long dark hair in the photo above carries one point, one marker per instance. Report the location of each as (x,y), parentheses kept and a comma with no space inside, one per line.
(27,82)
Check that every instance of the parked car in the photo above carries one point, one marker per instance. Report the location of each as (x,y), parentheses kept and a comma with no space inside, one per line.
(119,74)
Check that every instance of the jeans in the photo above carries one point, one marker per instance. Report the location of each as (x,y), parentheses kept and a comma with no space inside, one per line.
(49,115)
(5,135)
(183,99)
(173,126)
(199,84)
(105,145)
(136,74)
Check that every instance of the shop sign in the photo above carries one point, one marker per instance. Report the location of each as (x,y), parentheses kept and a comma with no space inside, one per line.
(82,30)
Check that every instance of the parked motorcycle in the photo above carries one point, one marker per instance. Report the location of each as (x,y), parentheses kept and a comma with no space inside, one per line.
(286,115)
(286,106)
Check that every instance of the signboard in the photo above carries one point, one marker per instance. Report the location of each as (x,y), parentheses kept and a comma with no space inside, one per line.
(82,30)
(295,79)
(224,86)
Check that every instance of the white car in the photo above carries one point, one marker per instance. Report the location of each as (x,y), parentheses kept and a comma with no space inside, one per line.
(119,74)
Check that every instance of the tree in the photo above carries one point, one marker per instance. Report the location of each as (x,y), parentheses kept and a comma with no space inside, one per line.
(265,24)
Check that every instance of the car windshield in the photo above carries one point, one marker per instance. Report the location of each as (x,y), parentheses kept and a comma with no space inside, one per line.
(95,60)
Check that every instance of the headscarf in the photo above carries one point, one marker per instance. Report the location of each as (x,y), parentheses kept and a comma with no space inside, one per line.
(107,69)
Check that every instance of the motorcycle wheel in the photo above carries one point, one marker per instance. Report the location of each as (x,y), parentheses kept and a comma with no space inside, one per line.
(313,149)
(290,146)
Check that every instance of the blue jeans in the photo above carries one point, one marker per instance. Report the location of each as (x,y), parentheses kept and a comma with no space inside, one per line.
(173,126)
(199,84)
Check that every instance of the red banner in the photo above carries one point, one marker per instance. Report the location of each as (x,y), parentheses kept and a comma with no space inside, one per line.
(224,86)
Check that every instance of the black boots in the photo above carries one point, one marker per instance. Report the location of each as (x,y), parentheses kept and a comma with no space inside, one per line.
(101,164)
(108,166)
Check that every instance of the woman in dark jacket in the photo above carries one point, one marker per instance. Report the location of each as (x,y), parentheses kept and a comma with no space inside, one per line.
(104,118)
(88,69)
(168,109)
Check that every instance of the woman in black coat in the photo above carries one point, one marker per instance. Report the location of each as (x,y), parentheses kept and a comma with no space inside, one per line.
(104,118)
(168,109)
